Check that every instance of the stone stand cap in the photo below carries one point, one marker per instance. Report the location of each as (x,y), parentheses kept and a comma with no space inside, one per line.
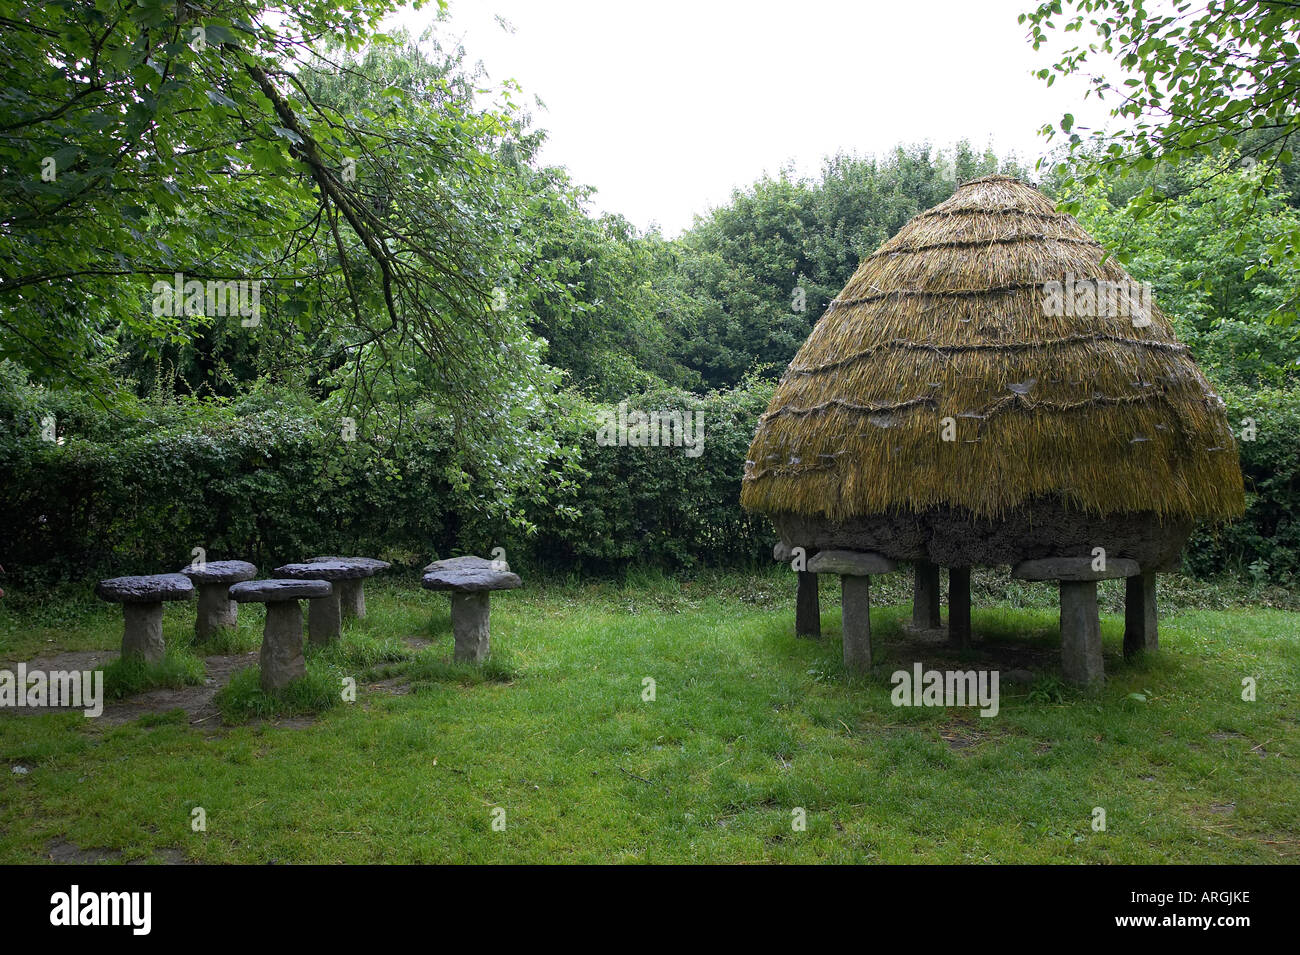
(850,563)
(274,591)
(145,590)
(468,574)
(325,570)
(221,572)
(368,564)
(1077,569)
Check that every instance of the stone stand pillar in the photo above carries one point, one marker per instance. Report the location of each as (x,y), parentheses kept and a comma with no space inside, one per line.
(216,610)
(959,606)
(142,637)
(352,598)
(925,596)
(857,623)
(1140,631)
(1081,660)
(807,612)
(469,625)
(324,619)
(282,661)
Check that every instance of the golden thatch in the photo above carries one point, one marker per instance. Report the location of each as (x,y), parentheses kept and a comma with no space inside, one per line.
(957,317)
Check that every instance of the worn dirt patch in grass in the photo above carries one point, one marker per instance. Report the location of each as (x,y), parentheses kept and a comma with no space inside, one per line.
(62,852)
(195,701)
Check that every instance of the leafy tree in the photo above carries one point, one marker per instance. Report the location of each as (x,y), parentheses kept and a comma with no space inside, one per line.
(366,195)
(756,274)
(145,138)
(1219,79)
(1201,277)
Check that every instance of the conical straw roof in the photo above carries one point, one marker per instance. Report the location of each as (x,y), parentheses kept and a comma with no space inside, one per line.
(976,319)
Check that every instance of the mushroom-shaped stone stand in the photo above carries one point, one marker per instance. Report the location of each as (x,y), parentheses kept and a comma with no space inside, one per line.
(324,613)
(281,660)
(352,593)
(855,569)
(470,580)
(142,599)
(213,578)
(807,609)
(1081,660)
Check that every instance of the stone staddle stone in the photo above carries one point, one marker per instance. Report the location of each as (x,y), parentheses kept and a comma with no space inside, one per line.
(216,611)
(142,599)
(1073,568)
(469,574)
(275,591)
(1141,629)
(151,588)
(1081,659)
(323,570)
(352,591)
(325,614)
(807,609)
(470,580)
(848,563)
(281,659)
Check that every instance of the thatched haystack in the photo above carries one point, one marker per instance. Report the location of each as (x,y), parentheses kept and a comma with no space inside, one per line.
(1078,420)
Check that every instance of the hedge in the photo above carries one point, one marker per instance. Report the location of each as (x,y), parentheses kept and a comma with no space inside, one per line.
(274,483)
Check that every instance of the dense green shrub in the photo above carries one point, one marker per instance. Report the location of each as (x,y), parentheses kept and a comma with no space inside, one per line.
(661,505)
(1265,543)
(137,491)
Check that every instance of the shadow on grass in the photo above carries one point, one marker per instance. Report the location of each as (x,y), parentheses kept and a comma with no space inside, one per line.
(1003,639)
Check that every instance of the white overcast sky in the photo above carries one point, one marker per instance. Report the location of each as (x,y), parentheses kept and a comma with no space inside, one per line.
(666,107)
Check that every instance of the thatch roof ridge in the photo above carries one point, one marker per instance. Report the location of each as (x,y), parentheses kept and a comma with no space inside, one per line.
(947,320)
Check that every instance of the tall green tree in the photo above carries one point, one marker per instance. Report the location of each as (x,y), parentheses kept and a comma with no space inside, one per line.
(756,274)
(144,138)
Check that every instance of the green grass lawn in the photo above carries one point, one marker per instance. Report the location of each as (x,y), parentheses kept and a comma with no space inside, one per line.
(748,724)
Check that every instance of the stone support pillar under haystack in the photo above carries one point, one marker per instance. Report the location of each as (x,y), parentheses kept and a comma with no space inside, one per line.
(1140,626)
(959,606)
(926,596)
(807,607)
(1081,660)
(855,570)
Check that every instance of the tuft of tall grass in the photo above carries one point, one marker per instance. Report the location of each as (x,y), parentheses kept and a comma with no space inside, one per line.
(127,677)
